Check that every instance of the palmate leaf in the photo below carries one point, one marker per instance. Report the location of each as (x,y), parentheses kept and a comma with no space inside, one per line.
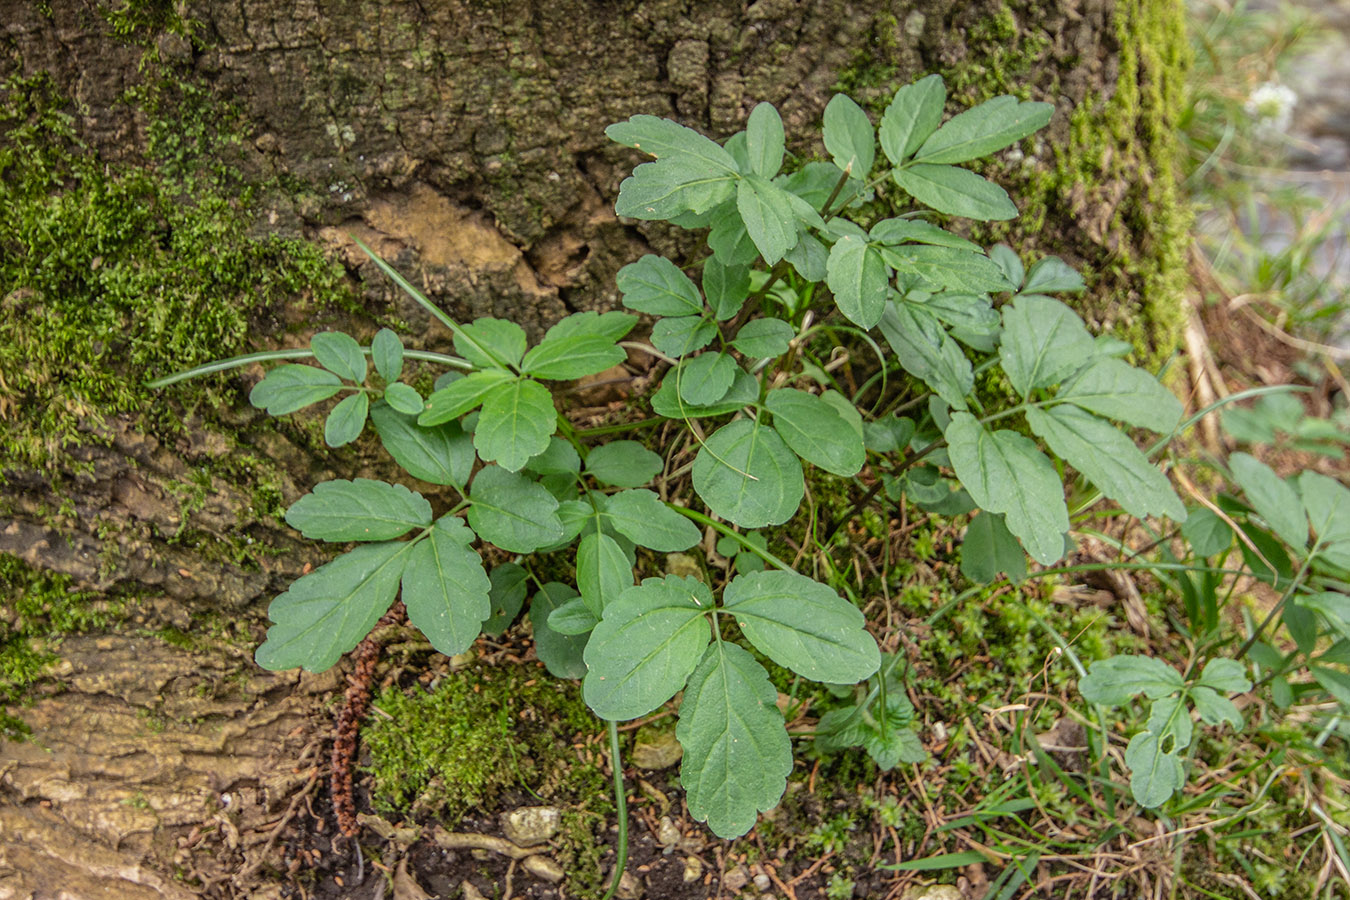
(768,215)
(646,645)
(956,192)
(987,128)
(515,424)
(1109,459)
(643,518)
(292,387)
(857,276)
(603,572)
(747,475)
(816,431)
(360,510)
(803,625)
(1117,390)
(1273,498)
(327,612)
(512,512)
(1005,473)
(439,454)
(1043,342)
(736,749)
(848,135)
(445,587)
(340,354)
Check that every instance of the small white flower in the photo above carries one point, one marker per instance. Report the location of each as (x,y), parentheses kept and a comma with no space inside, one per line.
(1271,106)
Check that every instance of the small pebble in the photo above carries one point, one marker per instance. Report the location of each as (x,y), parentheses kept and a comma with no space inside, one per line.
(693,869)
(762,882)
(543,868)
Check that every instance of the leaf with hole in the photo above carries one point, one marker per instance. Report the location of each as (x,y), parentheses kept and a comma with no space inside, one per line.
(1154,775)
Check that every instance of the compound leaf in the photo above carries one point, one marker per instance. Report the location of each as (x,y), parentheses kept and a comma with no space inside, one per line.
(339,353)
(747,475)
(1109,459)
(360,510)
(515,424)
(461,395)
(292,387)
(445,587)
(624,464)
(1215,709)
(816,431)
(327,612)
(646,645)
(439,454)
(803,625)
(512,512)
(736,749)
(1005,473)
(644,519)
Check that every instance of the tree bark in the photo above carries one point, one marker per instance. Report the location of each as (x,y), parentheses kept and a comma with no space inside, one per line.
(465,142)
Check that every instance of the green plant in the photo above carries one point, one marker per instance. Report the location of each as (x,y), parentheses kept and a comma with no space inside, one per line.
(795,270)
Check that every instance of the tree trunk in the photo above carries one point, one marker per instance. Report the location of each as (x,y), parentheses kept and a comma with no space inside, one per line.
(465,142)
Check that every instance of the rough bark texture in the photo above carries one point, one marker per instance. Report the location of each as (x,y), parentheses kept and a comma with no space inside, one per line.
(465,142)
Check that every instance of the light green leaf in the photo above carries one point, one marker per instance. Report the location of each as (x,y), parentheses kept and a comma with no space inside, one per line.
(656,286)
(666,401)
(404,398)
(764,140)
(603,572)
(327,612)
(461,395)
(768,216)
(440,454)
(516,422)
(947,267)
(726,287)
(809,257)
(558,458)
(925,350)
(1043,343)
(729,240)
(857,276)
(624,464)
(1207,533)
(506,596)
(665,139)
(1335,682)
(1051,275)
(1335,608)
(1108,459)
(848,136)
(1114,680)
(491,343)
(387,352)
(956,192)
(747,475)
(560,652)
(1273,498)
(340,354)
(573,617)
(642,652)
(764,338)
(445,587)
(292,387)
(681,335)
(987,128)
(672,187)
(613,326)
(643,518)
(1005,473)
(1011,264)
(1117,390)
(990,548)
(913,115)
(347,420)
(360,510)
(563,359)
(1328,504)
(736,749)
(816,431)
(803,625)
(1227,675)
(1215,709)
(706,378)
(1154,775)
(513,512)
(906,231)
(1170,717)
(973,313)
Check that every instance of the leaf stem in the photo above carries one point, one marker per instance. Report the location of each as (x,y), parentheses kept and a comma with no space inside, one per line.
(621,806)
(235,362)
(731,533)
(1278,607)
